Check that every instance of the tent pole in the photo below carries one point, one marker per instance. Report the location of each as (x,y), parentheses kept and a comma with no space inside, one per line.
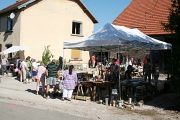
(172,65)
(151,62)
(108,57)
(119,71)
(126,59)
(63,63)
(101,64)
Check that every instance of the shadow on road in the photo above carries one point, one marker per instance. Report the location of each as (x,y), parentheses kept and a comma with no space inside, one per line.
(31,91)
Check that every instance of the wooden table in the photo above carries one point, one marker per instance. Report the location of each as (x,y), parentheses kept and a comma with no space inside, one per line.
(94,87)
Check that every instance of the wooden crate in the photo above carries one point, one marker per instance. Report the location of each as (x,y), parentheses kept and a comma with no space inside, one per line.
(85,98)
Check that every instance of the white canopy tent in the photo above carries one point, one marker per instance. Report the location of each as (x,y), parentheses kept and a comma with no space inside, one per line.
(14,49)
(110,36)
(116,38)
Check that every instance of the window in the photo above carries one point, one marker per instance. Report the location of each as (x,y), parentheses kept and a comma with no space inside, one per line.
(9,24)
(76,28)
(8,46)
(0,24)
(75,54)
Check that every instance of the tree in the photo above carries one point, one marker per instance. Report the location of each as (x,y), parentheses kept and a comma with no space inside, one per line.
(173,26)
(46,57)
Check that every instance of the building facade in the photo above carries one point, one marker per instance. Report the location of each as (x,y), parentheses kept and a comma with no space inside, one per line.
(39,23)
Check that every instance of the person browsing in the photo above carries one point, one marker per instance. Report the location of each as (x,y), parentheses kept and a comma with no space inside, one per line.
(128,72)
(70,81)
(114,70)
(51,72)
(4,62)
(147,71)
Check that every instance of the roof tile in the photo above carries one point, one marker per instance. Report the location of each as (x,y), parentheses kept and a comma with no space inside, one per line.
(146,15)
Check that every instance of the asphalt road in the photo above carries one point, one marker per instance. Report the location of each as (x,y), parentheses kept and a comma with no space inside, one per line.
(17,112)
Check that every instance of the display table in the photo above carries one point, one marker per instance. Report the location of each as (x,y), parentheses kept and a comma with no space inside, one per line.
(93,87)
(97,91)
(77,66)
(133,84)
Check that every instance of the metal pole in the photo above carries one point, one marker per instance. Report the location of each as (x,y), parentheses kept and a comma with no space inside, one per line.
(171,66)
(126,59)
(119,71)
(151,62)
(108,57)
(63,63)
(101,63)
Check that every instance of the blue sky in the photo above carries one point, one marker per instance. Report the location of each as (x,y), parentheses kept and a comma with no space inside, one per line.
(105,11)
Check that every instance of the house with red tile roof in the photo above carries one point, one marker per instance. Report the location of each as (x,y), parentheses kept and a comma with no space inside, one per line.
(147,16)
(39,23)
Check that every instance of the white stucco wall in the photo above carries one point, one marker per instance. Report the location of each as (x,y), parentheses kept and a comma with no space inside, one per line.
(49,22)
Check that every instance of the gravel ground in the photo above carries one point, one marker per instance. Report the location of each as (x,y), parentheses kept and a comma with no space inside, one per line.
(12,91)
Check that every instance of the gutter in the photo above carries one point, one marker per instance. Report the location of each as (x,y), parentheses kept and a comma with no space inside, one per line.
(25,4)
(19,7)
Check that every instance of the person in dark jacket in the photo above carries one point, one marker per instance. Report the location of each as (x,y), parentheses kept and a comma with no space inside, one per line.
(147,71)
(60,63)
(128,73)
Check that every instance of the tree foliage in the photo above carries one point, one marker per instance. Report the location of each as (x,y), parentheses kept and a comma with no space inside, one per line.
(174,19)
(173,26)
(46,56)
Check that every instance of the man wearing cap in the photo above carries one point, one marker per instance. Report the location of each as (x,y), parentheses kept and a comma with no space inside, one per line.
(51,72)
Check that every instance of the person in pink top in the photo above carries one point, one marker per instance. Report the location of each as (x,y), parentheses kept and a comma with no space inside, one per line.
(41,74)
(70,81)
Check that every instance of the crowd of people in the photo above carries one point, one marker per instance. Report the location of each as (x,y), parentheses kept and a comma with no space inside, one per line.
(132,68)
(49,76)
(146,70)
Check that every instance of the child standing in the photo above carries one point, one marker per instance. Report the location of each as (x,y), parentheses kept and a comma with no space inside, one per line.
(61,87)
(60,80)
